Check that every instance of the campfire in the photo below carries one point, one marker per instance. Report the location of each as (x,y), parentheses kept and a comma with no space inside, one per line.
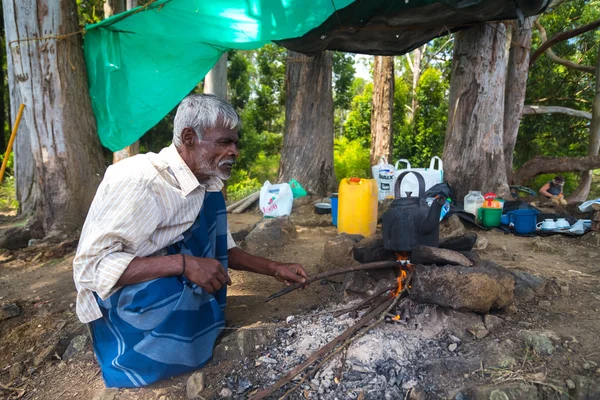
(417,281)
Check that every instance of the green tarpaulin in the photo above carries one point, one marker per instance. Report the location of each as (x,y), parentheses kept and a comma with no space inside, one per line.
(141,63)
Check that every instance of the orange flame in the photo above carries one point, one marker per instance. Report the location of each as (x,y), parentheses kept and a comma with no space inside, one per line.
(396,318)
(401,256)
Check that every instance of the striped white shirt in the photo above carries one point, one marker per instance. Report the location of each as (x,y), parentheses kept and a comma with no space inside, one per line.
(143,205)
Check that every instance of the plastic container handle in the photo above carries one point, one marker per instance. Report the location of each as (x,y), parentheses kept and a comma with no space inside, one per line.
(440,163)
(404,161)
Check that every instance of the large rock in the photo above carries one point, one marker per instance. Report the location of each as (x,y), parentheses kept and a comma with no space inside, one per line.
(305,215)
(241,343)
(452,226)
(338,250)
(14,238)
(9,310)
(534,282)
(488,286)
(358,283)
(270,232)
(434,255)
(370,249)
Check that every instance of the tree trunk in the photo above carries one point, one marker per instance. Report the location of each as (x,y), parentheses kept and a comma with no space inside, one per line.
(516,84)
(215,81)
(307,154)
(3,87)
(383,108)
(49,77)
(546,165)
(473,150)
(415,68)
(112,7)
(583,189)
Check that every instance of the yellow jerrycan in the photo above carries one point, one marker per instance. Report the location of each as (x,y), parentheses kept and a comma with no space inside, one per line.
(357,207)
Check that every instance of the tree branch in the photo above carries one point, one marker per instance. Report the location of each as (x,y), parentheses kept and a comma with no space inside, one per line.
(559,37)
(536,110)
(545,165)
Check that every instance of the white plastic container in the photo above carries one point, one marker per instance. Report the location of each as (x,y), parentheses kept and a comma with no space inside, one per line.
(473,201)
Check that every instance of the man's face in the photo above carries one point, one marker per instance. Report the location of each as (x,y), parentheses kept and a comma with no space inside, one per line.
(215,154)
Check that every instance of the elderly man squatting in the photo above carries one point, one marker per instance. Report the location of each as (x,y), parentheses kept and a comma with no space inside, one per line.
(151,265)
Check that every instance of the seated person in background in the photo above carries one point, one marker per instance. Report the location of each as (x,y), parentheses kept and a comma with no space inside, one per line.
(553,190)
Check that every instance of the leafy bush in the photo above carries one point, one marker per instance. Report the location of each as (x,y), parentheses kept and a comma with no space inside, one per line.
(350,158)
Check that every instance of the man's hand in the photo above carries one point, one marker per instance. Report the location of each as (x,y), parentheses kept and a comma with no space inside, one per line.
(289,273)
(207,273)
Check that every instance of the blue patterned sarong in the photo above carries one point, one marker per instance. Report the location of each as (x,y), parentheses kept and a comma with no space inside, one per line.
(165,327)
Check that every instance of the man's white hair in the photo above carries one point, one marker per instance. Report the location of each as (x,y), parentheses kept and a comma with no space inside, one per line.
(203,112)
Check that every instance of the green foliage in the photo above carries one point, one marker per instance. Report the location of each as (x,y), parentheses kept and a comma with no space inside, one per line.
(358,124)
(431,118)
(90,11)
(238,77)
(241,185)
(553,84)
(8,200)
(351,159)
(343,76)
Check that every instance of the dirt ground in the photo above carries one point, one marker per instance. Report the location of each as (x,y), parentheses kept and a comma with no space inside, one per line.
(41,283)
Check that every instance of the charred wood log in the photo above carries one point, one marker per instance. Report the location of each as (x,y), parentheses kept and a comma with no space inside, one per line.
(464,242)
(433,255)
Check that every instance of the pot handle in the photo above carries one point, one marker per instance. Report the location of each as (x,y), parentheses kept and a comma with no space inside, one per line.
(420,180)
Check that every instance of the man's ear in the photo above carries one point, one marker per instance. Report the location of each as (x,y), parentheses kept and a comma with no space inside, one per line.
(188,137)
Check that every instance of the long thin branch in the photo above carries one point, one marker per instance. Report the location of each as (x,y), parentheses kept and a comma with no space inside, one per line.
(537,110)
(327,274)
(366,301)
(546,48)
(559,37)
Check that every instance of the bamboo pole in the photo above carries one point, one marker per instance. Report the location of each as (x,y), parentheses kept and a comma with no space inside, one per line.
(11,141)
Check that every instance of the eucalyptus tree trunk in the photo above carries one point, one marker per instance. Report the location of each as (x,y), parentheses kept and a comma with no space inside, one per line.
(583,189)
(215,81)
(48,76)
(516,84)
(474,152)
(383,108)
(307,154)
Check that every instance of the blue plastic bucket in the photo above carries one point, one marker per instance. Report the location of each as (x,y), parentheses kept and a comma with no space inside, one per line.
(334,208)
(523,221)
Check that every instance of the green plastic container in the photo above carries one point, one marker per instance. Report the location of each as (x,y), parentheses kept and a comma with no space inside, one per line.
(490,217)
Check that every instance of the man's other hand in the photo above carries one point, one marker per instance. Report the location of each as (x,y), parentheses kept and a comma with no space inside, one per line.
(207,273)
(289,273)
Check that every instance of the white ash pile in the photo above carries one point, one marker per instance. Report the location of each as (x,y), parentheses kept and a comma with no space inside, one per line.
(388,361)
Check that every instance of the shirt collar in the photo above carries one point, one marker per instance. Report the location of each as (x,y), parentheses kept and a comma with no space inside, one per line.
(184,175)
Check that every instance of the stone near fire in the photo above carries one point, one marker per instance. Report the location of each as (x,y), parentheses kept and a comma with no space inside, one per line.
(76,346)
(338,250)
(488,286)
(358,283)
(370,249)
(434,255)
(14,238)
(272,232)
(534,282)
(452,226)
(464,242)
